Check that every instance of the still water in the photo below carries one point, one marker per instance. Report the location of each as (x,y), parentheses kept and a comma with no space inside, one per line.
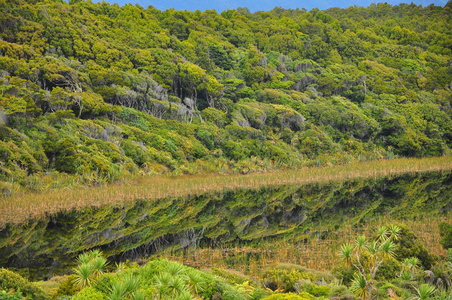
(47,247)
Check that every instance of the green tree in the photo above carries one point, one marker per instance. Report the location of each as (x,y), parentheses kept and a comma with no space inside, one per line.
(366,256)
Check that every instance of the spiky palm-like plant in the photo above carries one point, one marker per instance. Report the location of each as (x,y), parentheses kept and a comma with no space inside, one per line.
(99,263)
(90,267)
(443,295)
(117,291)
(346,253)
(359,287)
(95,253)
(178,286)
(184,296)
(175,269)
(83,258)
(131,283)
(138,295)
(424,292)
(84,272)
(375,252)
(195,281)
(411,265)
(405,275)
(127,288)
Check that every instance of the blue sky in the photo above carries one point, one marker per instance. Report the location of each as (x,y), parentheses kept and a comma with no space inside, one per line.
(266,5)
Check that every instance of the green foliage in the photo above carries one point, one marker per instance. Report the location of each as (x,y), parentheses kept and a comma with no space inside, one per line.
(290,296)
(359,287)
(89,294)
(445,230)
(294,87)
(10,281)
(339,290)
(316,290)
(284,279)
(424,292)
(387,289)
(67,287)
(408,246)
(220,57)
(367,256)
(90,268)
(344,273)
(388,269)
(10,295)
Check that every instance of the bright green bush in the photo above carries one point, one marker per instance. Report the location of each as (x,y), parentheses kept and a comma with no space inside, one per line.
(387,289)
(284,279)
(13,281)
(338,290)
(89,293)
(316,290)
(290,296)
(164,276)
(10,295)
(67,287)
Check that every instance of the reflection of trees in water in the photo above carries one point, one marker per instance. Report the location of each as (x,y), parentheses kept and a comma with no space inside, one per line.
(220,218)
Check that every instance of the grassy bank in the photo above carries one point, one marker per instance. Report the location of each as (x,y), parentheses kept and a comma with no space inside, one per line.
(20,208)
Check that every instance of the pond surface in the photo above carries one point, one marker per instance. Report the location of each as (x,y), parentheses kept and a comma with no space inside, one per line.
(44,248)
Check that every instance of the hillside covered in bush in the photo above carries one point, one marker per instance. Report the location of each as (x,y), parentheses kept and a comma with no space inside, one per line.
(103,92)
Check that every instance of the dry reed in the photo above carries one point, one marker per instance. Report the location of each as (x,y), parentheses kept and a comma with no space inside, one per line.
(317,253)
(20,208)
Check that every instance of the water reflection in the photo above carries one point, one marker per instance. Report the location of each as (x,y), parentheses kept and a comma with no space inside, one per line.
(142,228)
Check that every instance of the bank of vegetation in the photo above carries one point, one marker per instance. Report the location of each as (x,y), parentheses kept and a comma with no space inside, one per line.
(94,93)
(388,263)
(98,95)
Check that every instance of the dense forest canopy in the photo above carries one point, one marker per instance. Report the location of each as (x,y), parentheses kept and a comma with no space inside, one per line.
(103,91)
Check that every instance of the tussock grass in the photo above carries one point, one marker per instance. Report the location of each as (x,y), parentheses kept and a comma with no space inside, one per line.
(20,208)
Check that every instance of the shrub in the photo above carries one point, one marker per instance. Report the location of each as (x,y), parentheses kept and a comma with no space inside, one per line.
(445,230)
(409,246)
(10,295)
(12,281)
(89,293)
(284,279)
(290,296)
(389,269)
(231,276)
(104,283)
(67,287)
(344,273)
(338,290)
(215,116)
(316,290)
(388,289)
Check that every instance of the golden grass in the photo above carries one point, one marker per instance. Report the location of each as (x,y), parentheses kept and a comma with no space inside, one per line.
(318,254)
(20,208)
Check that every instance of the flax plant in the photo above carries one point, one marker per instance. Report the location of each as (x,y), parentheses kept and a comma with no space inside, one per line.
(410,265)
(90,268)
(424,292)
